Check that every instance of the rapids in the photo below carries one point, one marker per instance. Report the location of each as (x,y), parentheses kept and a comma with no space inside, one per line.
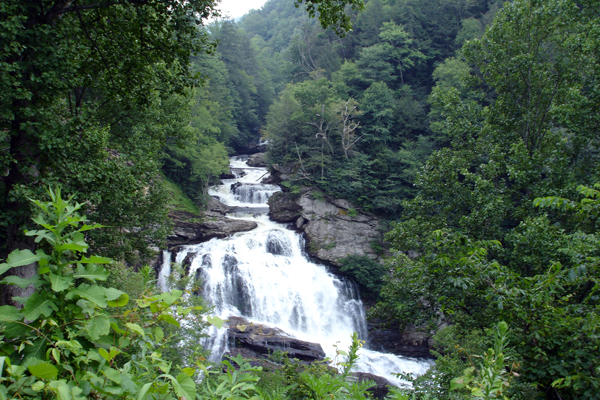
(265,276)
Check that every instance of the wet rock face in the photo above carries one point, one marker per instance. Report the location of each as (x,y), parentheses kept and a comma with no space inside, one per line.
(278,244)
(261,341)
(283,207)
(381,388)
(257,160)
(410,343)
(333,227)
(191,229)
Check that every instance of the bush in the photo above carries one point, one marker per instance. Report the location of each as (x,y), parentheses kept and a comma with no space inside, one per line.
(73,338)
(366,272)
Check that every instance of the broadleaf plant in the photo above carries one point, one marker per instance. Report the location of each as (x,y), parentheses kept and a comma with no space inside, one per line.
(75,339)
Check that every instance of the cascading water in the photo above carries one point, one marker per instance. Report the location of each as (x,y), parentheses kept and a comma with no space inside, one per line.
(265,277)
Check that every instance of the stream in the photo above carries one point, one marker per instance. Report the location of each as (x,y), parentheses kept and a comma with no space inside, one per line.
(265,276)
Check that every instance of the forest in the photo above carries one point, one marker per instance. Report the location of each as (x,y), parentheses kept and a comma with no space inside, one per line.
(469,126)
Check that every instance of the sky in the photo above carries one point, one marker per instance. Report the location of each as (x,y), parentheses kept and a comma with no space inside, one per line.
(237,8)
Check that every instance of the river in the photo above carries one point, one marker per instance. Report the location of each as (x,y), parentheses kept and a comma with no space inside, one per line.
(265,276)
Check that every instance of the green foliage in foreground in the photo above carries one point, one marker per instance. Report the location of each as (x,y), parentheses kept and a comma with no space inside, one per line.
(554,314)
(179,200)
(75,338)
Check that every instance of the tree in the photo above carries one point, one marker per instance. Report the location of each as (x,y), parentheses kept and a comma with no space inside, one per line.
(83,87)
(347,112)
(332,12)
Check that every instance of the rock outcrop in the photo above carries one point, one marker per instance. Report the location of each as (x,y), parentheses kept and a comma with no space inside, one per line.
(283,207)
(412,342)
(259,341)
(257,160)
(256,342)
(191,229)
(333,228)
(251,148)
(381,388)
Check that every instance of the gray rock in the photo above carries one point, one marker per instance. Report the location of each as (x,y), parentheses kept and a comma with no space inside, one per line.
(190,229)
(412,342)
(381,388)
(263,340)
(215,205)
(333,227)
(286,172)
(283,207)
(257,160)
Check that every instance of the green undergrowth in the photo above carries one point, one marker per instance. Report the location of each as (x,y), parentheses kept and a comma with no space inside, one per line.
(179,200)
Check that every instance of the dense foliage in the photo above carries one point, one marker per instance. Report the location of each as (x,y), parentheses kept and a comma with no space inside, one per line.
(355,118)
(77,338)
(471,123)
(487,250)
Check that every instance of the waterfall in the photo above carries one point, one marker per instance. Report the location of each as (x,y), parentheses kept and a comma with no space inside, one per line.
(264,276)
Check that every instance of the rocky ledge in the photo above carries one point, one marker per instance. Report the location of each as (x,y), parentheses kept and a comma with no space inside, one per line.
(256,342)
(261,341)
(191,229)
(334,228)
(257,160)
(411,342)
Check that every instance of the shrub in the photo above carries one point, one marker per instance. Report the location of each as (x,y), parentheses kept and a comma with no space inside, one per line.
(367,272)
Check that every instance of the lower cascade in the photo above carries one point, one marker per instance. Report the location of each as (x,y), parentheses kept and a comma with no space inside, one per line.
(265,277)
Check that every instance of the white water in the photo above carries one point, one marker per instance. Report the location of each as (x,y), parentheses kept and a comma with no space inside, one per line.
(264,276)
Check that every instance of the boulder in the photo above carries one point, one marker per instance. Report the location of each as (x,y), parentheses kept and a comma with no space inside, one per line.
(333,228)
(286,172)
(263,340)
(381,388)
(191,229)
(283,207)
(257,160)
(411,342)
(250,148)
(215,205)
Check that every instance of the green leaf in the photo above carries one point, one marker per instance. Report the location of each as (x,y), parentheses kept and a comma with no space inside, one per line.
(38,386)
(120,301)
(71,246)
(136,328)
(171,297)
(20,282)
(97,326)
(19,258)
(59,282)
(104,354)
(113,375)
(187,387)
(112,293)
(9,313)
(38,304)
(44,370)
(36,350)
(216,321)
(91,272)
(63,392)
(183,385)
(88,227)
(144,392)
(168,319)
(95,260)
(93,293)
(159,334)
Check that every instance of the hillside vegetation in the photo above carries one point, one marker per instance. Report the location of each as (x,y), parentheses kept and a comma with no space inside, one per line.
(470,126)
